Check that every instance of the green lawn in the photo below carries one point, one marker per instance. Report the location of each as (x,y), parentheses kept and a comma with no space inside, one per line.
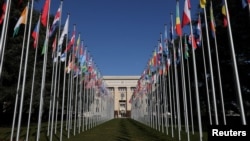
(114,130)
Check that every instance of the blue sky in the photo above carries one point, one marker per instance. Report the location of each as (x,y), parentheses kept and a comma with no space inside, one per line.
(120,35)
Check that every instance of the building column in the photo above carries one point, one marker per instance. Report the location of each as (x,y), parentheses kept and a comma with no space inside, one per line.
(116,101)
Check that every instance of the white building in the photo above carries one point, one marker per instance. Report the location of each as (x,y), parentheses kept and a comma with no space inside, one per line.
(122,88)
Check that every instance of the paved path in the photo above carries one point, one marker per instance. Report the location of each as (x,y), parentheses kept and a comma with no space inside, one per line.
(122,129)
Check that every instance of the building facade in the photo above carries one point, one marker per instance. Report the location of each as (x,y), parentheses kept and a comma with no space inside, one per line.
(122,88)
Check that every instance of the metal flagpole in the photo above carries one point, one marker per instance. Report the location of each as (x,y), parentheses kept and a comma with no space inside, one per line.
(70,100)
(189,91)
(76,96)
(18,83)
(184,89)
(4,34)
(171,92)
(57,94)
(211,70)
(236,75)
(25,72)
(176,87)
(196,84)
(42,86)
(206,82)
(33,80)
(63,96)
(162,88)
(68,94)
(54,78)
(218,68)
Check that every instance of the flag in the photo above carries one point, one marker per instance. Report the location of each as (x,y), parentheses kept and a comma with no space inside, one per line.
(77,47)
(224,13)
(35,33)
(171,32)
(3,12)
(186,18)
(192,41)
(21,20)
(63,57)
(55,22)
(45,45)
(178,21)
(71,43)
(65,32)
(202,3)
(155,58)
(165,50)
(212,21)
(45,12)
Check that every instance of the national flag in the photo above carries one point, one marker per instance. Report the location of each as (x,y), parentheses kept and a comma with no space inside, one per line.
(77,47)
(35,33)
(82,59)
(45,12)
(186,18)
(224,13)
(165,50)
(3,11)
(155,58)
(55,21)
(202,3)
(71,43)
(212,21)
(192,41)
(21,20)
(178,21)
(65,32)
(63,57)
(45,45)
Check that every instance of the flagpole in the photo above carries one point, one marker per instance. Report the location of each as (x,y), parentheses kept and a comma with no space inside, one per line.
(25,72)
(176,87)
(184,90)
(76,90)
(42,85)
(33,81)
(171,88)
(211,69)
(63,96)
(18,83)
(218,70)
(70,100)
(195,80)
(163,95)
(236,75)
(206,82)
(190,97)
(4,34)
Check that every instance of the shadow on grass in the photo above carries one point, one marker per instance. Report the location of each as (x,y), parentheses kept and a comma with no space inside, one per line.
(124,129)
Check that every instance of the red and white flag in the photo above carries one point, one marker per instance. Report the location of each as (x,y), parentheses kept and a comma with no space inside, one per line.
(186,18)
